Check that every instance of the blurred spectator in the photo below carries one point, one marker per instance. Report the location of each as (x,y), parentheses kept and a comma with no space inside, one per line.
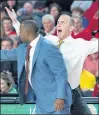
(2,14)
(82,4)
(6,44)
(80,12)
(27,10)
(11,66)
(65,4)
(49,24)
(25,17)
(21,12)
(55,11)
(91,63)
(7,84)
(12,4)
(96,88)
(87,32)
(7,27)
(79,31)
(2,30)
(29,7)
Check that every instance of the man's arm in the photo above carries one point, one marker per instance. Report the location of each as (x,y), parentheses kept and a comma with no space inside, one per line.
(15,22)
(17,27)
(90,47)
(55,61)
(8,55)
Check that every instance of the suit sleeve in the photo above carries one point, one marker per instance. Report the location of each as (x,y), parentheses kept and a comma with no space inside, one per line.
(8,55)
(55,61)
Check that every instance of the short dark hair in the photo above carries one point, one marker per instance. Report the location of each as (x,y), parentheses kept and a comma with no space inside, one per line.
(26,17)
(31,24)
(7,39)
(6,18)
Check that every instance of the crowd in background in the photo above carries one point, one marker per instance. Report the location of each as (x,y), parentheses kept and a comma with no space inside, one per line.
(46,13)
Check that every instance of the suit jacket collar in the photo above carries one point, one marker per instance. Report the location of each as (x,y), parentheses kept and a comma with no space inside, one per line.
(37,51)
(35,56)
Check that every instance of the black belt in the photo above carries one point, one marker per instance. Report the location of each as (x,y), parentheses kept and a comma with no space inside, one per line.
(76,89)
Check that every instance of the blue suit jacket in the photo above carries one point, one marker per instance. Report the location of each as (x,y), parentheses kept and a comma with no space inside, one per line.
(49,75)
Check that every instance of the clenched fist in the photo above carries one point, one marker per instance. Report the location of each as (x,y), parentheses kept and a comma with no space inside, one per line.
(59,104)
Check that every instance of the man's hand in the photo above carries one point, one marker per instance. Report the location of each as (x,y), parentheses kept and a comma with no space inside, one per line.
(12,15)
(59,104)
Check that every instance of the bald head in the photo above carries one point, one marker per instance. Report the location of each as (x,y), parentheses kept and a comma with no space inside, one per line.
(28,28)
(64,26)
(29,7)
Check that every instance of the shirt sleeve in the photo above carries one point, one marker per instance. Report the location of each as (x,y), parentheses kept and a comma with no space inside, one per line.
(90,47)
(17,27)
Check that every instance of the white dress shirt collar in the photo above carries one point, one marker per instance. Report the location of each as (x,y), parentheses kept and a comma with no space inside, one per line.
(34,42)
(68,39)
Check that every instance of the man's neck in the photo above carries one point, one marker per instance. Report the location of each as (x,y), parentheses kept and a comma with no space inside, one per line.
(31,38)
(66,36)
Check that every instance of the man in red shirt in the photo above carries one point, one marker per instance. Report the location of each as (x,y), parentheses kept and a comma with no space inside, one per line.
(80,32)
(7,27)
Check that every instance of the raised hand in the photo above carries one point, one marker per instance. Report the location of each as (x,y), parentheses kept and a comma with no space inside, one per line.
(12,15)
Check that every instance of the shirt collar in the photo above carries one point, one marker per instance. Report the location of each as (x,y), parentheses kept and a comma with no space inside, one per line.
(34,42)
(68,39)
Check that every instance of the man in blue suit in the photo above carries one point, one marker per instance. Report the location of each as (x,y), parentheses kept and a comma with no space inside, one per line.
(42,75)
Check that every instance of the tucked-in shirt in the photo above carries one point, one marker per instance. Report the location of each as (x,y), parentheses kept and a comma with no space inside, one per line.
(74,53)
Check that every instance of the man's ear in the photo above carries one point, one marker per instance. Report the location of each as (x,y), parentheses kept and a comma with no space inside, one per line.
(71,28)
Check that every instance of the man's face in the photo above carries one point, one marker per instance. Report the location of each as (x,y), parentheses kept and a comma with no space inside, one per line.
(7,25)
(23,33)
(6,45)
(28,7)
(48,25)
(63,26)
(77,24)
